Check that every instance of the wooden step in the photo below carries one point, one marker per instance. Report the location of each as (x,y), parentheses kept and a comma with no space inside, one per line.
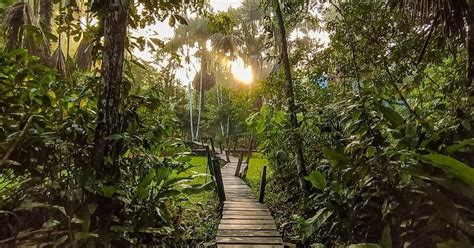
(249,240)
(248,233)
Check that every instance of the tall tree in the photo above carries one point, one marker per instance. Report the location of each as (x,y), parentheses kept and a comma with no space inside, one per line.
(295,135)
(115,19)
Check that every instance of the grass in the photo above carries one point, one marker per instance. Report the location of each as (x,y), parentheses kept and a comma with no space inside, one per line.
(199,213)
(199,167)
(254,173)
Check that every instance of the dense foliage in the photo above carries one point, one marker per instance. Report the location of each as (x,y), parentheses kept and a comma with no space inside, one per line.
(387,125)
(377,120)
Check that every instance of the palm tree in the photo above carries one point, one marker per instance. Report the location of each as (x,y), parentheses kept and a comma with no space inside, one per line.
(17,17)
(194,33)
(454,17)
(197,33)
(251,35)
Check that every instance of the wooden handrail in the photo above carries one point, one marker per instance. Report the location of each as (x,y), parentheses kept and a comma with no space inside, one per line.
(218,180)
(263,183)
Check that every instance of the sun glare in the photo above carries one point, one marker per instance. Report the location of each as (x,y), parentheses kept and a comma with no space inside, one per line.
(241,72)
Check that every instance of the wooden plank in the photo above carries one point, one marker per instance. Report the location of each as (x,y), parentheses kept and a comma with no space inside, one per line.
(237,203)
(248,195)
(248,246)
(244,208)
(231,197)
(250,240)
(249,205)
(259,212)
(247,227)
(238,221)
(242,192)
(246,233)
(246,190)
(237,182)
(247,217)
(241,186)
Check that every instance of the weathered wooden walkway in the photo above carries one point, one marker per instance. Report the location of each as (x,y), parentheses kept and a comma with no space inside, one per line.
(245,222)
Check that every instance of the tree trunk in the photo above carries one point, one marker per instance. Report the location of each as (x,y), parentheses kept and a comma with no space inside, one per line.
(470,49)
(296,138)
(201,99)
(191,127)
(45,14)
(110,98)
(201,88)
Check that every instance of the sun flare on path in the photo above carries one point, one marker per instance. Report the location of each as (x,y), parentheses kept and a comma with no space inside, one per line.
(241,72)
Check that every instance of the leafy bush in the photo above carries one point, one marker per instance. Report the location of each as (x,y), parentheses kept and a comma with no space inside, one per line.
(50,194)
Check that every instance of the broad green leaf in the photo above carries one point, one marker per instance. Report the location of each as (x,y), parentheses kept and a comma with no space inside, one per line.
(28,205)
(161,230)
(193,189)
(161,174)
(60,241)
(370,151)
(451,166)
(455,147)
(392,116)
(317,180)
(168,193)
(108,191)
(51,94)
(336,159)
(314,223)
(51,223)
(77,220)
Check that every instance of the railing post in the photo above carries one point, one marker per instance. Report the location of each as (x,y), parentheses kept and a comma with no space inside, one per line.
(212,145)
(209,161)
(239,164)
(250,149)
(228,149)
(218,180)
(220,147)
(263,183)
(235,143)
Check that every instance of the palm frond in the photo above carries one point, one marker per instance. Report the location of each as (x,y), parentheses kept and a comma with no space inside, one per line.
(447,14)
(83,57)
(59,62)
(22,30)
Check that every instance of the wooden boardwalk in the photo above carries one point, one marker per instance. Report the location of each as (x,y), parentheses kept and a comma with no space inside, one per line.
(245,222)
